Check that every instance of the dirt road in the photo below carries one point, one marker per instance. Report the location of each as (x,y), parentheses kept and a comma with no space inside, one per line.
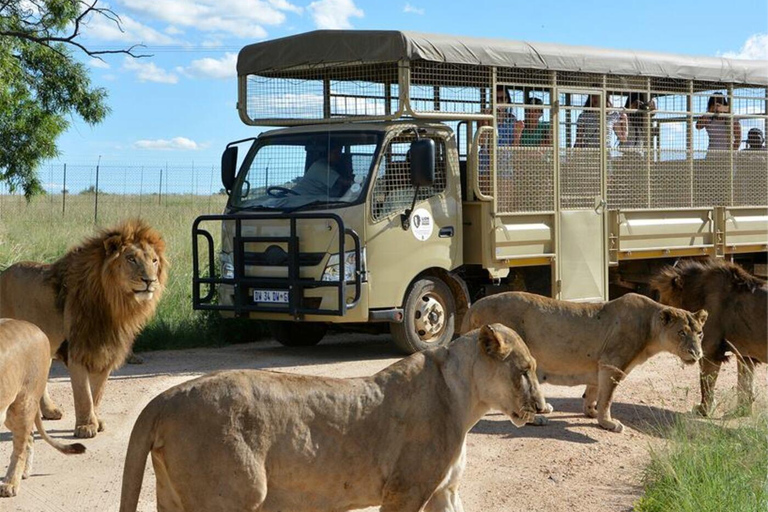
(571,464)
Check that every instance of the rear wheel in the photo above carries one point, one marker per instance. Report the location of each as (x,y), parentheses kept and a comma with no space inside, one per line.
(298,334)
(429,315)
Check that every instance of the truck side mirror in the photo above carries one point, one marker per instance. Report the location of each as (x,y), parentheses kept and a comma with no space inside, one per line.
(422,162)
(228,167)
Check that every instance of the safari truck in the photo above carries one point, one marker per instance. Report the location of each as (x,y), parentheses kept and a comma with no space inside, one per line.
(410,174)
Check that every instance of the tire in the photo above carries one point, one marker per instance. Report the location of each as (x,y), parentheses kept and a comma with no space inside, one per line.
(298,334)
(429,316)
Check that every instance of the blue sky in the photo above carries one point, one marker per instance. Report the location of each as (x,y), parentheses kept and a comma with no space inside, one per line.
(179,105)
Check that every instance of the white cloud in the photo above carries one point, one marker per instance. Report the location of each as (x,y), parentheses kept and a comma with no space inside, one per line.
(334,14)
(109,77)
(208,67)
(149,71)
(176,143)
(103,29)
(170,29)
(413,10)
(283,5)
(756,47)
(235,17)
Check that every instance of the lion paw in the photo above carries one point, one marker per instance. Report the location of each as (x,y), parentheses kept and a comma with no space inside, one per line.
(7,490)
(590,412)
(613,426)
(702,410)
(548,408)
(86,431)
(52,414)
(102,425)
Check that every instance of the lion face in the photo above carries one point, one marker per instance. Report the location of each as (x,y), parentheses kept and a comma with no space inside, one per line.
(510,384)
(137,268)
(682,333)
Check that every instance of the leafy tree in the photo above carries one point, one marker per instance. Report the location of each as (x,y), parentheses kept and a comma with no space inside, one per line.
(43,84)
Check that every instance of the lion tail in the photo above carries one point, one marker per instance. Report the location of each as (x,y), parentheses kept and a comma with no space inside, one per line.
(139,446)
(69,449)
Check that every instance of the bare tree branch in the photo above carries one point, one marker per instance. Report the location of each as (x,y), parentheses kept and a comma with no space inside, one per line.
(39,31)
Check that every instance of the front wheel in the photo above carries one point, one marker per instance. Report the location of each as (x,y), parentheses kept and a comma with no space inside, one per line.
(298,334)
(429,315)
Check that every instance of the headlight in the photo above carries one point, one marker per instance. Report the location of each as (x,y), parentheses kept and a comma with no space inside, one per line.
(331,272)
(227,266)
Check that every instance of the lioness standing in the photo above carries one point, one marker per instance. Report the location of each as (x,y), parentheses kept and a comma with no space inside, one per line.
(264,441)
(596,344)
(24,363)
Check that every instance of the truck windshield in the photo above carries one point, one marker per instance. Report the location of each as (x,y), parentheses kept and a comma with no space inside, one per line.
(306,171)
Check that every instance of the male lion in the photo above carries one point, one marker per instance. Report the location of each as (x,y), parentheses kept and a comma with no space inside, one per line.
(266,441)
(737,303)
(596,344)
(25,359)
(96,297)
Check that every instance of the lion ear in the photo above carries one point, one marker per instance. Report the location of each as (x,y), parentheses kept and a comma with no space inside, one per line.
(701,315)
(677,282)
(112,244)
(494,343)
(667,316)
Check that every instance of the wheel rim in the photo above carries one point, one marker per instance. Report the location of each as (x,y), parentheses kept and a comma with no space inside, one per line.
(429,318)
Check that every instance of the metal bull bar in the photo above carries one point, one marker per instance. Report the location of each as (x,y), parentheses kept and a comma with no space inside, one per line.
(294,283)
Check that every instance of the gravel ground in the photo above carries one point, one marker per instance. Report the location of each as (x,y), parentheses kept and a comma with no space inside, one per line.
(570,464)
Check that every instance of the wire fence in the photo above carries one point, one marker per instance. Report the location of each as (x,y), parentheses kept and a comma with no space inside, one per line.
(135,189)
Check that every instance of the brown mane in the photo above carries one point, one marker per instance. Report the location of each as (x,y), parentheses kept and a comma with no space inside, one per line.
(103,320)
(688,283)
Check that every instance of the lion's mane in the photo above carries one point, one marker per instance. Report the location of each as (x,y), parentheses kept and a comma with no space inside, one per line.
(102,321)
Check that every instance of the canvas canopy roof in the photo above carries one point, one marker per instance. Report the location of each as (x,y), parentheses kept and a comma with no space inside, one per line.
(377,46)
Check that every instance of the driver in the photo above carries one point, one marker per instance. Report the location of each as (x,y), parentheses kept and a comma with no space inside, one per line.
(325,175)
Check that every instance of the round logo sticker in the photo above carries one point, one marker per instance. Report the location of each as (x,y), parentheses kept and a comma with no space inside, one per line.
(422,224)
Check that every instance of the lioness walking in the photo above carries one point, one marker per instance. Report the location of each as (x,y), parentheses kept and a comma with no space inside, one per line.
(596,344)
(265,441)
(25,359)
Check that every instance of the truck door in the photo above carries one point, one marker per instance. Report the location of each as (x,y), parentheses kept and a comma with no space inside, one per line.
(582,256)
(433,238)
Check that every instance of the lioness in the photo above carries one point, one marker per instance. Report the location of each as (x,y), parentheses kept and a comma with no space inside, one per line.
(25,359)
(737,303)
(592,344)
(265,441)
(90,303)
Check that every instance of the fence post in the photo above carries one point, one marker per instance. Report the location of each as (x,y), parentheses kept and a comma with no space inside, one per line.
(96,202)
(64,193)
(160,189)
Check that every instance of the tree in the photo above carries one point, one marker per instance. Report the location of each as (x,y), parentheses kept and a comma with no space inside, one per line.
(43,84)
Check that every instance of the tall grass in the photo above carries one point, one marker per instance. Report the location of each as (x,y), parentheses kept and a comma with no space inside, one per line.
(709,466)
(38,231)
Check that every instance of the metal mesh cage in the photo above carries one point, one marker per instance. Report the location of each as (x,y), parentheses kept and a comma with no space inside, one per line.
(361,92)
(449,88)
(392,190)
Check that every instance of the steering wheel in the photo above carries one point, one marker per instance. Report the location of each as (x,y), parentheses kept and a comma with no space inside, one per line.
(274,191)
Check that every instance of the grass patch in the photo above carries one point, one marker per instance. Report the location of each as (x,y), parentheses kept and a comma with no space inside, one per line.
(709,466)
(37,231)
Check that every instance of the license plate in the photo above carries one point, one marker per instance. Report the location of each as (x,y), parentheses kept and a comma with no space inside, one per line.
(272,296)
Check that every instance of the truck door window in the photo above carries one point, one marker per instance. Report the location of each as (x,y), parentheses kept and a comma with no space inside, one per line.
(392,191)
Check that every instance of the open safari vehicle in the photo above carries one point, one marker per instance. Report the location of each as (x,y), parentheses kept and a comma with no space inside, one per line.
(412,174)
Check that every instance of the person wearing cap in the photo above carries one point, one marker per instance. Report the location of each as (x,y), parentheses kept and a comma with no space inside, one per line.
(755,140)
(323,177)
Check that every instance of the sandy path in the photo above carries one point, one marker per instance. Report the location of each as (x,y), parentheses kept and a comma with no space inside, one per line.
(571,464)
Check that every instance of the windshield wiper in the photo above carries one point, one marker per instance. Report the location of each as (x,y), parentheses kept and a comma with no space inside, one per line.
(255,207)
(316,203)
